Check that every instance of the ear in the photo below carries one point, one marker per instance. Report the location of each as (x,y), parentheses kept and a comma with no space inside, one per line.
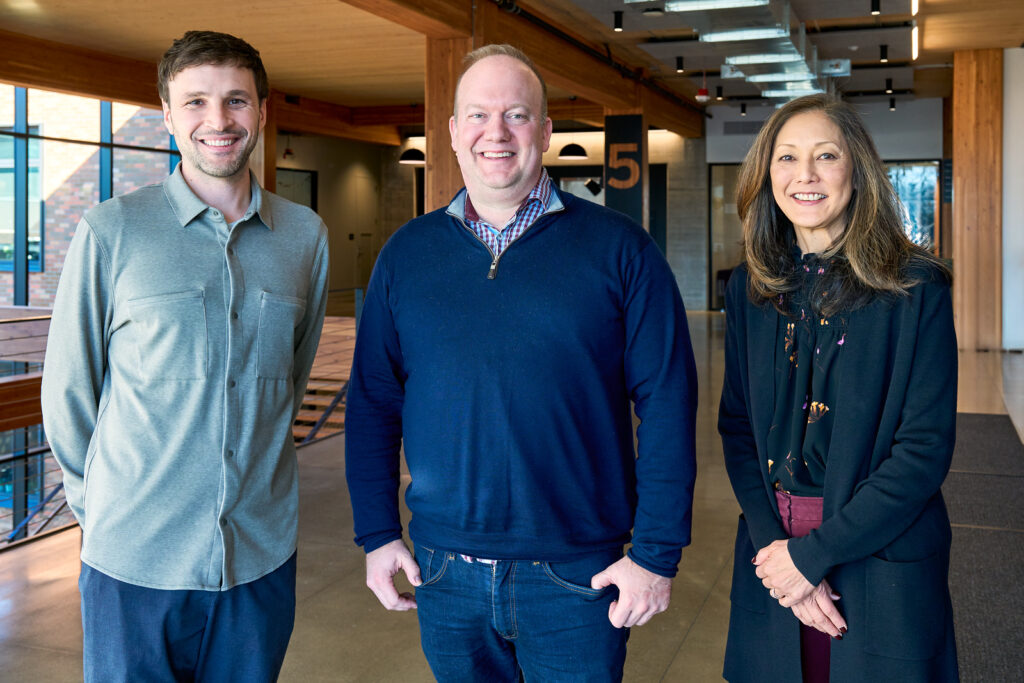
(167,117)
(263,114)
(452,131)
(546,136)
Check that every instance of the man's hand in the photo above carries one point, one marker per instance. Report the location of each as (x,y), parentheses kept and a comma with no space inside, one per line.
(381,566)
(777,572)
(642,594)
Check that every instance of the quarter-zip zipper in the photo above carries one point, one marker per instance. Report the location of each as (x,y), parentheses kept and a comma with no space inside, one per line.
(492,272)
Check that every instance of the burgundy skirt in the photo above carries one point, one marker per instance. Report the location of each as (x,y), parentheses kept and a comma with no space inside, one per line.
(801,514)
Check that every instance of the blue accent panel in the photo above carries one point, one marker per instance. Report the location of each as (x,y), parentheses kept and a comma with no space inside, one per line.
(106,152)
(20,198)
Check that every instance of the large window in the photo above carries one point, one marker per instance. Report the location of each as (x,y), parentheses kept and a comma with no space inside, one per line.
(917,184)
(59,155)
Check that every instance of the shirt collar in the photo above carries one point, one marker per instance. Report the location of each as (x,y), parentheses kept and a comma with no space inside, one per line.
(187,206)
(462,206)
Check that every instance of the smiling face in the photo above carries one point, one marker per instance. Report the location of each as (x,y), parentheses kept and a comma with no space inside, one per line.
(812,178)
(499,132)
(215,117)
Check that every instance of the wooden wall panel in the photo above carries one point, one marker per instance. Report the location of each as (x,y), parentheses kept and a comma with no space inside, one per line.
(19,401)
(977,197)
(444,63)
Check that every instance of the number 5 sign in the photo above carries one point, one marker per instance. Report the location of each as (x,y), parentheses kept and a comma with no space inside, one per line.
(623,171)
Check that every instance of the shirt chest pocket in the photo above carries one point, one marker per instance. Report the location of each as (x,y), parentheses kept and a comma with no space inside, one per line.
(279,318)
(170,336)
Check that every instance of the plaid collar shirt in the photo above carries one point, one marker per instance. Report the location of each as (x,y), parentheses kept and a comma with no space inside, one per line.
(497,240)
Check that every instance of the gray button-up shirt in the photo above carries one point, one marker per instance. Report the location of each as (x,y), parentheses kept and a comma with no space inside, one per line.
(178,354)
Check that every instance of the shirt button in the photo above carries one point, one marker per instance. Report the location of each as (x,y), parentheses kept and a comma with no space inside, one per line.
(223,522)
(234,315)
(231,454)
(231,252)
(231,384)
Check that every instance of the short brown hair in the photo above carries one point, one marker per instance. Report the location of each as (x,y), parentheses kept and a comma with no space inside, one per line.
(870,257)
(503,50)
(197,48)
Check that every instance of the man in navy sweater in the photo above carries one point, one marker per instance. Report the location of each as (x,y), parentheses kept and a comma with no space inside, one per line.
(503,340)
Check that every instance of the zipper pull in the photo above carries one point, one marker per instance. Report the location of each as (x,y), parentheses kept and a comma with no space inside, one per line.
(492,273)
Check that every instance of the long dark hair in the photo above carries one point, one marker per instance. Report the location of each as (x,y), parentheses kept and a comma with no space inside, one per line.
(869,258)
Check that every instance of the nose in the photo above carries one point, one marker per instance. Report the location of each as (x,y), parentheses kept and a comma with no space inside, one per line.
(497,129)
(217,116)
(807,171)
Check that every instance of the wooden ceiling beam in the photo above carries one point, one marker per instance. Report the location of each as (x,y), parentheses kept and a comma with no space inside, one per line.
(35,63)
(583,111)
(306,115)
(564,62)
(432,18)
(394,115)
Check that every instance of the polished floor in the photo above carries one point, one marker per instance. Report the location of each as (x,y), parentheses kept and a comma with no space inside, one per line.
(342,633)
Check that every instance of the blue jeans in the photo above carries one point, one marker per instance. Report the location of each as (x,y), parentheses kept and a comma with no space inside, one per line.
(493,622)
(132,633)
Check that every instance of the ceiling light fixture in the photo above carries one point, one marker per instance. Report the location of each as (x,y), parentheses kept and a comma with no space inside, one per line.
(743,109)
(913,41)
(764,33)
(617,26)
(413,157)
(679,65)
(718,93)
(888,86)
(653,12)
(698,5)
(876,7)
(572,152)
(883,53)
(892,104)
(913,8)
(702,92)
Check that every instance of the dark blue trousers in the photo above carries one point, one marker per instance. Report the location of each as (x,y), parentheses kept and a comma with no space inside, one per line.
(132,633)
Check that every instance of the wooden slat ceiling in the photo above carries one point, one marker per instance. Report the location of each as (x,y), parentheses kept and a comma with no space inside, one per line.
(329,50)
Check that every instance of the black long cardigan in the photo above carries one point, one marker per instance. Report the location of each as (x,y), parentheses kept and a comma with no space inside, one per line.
(884,541)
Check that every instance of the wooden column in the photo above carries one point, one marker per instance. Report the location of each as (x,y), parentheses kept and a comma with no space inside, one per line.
(444,63)
(977,198)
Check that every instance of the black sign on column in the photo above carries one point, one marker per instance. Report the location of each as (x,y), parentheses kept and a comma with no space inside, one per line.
(623,164)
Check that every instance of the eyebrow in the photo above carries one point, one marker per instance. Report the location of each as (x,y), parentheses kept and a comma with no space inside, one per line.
(203,93)
(816,144)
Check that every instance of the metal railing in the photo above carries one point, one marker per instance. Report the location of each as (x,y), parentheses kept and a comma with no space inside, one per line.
(31,495)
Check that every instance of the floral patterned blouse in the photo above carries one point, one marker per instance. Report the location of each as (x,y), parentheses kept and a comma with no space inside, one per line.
(806,385)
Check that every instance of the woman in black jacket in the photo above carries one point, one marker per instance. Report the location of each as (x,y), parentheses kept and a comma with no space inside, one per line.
(837,416)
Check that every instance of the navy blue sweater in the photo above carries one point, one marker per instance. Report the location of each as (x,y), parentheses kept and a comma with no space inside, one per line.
(512,394)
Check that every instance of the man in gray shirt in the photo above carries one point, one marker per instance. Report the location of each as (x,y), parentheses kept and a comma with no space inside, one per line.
(184,329)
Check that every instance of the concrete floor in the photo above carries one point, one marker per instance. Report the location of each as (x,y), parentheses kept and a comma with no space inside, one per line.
(343,634)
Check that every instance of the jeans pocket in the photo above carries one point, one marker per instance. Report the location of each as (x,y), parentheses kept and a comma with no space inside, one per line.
(433,564)
(583,591)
